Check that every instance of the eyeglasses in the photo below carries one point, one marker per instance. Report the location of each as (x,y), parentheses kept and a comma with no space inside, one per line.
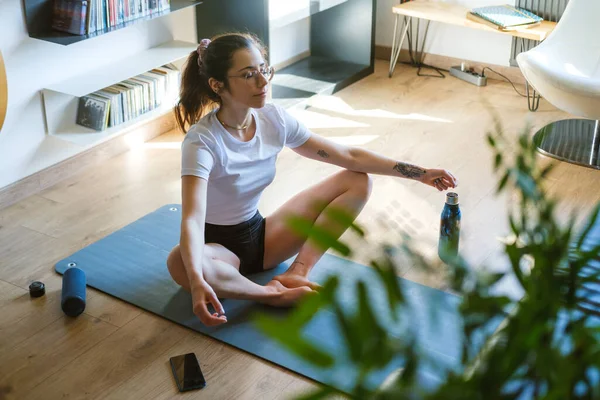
(252,77)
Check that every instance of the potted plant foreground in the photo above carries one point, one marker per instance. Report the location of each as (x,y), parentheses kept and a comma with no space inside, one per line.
(547,343)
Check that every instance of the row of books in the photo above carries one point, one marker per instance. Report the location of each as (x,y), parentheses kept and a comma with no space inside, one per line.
(504,17)
(81,17)
(128,99)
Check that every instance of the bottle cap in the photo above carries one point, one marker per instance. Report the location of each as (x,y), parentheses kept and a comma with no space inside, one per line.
(37,289)
(452,198)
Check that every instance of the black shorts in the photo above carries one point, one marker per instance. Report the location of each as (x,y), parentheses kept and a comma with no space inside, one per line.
(246,240)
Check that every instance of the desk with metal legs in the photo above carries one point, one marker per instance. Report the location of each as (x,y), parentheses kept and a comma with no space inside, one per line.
(452,14)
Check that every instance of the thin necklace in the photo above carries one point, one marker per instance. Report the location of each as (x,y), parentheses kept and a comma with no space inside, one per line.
(241,128)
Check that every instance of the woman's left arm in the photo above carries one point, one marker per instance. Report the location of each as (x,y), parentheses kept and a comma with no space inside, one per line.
(362,160)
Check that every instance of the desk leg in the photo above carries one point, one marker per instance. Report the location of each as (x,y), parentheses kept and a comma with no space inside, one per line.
(594,155)
(417,58)
(533,99)
(397,44)
(420,53)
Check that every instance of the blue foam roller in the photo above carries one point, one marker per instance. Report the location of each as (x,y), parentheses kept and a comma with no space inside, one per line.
(73,292)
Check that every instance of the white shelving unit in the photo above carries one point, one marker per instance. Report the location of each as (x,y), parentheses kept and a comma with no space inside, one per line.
(61,99)
(284,12)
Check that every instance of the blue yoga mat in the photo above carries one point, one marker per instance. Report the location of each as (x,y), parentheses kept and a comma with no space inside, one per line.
(130,264)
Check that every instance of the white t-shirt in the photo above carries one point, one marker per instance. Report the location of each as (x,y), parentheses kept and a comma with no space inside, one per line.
(238,172)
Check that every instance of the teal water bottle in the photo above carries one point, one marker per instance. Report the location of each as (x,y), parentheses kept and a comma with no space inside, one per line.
(449,228)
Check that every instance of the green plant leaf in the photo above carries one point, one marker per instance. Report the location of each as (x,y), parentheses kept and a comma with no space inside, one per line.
(523,142)
(370,332)
(528,351)
(503,181)
(591,221)
(350,336)
(513,225)
(388,277)
(362,324)
(411,365)
(497,161)
(287,330)
(308,307)
(514,254)
(344,218)
(321,393)
(322,237)
(546,171)
(487,305)
(527,185)
(590,278)
(292,340)
(488,279)
(584,257)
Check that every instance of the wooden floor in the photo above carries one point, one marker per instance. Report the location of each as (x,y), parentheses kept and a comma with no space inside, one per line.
(118,351)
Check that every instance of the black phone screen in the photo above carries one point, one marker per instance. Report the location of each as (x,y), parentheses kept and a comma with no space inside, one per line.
(187,372)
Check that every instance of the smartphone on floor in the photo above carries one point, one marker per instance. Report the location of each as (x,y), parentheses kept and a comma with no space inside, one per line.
(187,372)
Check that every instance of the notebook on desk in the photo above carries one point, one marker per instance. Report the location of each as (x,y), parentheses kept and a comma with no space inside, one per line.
(504,17)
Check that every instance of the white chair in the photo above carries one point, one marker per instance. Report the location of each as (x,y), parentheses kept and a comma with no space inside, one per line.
(565,70)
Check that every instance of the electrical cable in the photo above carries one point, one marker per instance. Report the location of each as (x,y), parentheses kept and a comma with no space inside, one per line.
(509,81)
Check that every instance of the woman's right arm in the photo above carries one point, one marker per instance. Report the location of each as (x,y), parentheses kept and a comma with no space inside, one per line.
(193,216)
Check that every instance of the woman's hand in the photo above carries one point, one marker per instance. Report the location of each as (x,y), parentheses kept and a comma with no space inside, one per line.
(439,179)
(202,294)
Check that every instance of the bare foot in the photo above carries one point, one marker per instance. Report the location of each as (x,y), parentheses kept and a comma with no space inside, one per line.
(285,297)
(291,280)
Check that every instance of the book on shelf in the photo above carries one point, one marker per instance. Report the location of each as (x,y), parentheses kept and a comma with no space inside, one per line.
(504,17)
(70,16)
(81,17)
(115,116)
(93,112)
(129,99)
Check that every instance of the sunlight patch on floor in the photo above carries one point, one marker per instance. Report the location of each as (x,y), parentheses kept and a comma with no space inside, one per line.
(315,120)
(336,104)
(163,145)
(302,83)
(354,140)
(133,140)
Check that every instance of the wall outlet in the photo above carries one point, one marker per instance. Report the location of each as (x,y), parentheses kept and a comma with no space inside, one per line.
(471,77)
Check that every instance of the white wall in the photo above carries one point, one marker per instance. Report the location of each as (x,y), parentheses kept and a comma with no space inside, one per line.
(289,29)
(288,41)
(33,64)
(448,40)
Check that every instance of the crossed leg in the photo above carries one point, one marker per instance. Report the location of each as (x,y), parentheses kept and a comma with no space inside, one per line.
(346,189)
(220,269)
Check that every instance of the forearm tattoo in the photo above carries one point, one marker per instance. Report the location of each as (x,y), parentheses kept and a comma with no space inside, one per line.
(323,153)
(409,170)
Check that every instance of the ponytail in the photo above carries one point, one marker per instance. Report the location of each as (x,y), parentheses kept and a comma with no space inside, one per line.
(196,98)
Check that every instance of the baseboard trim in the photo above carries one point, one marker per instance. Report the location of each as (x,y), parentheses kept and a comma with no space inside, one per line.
(53,174)
(435,60)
